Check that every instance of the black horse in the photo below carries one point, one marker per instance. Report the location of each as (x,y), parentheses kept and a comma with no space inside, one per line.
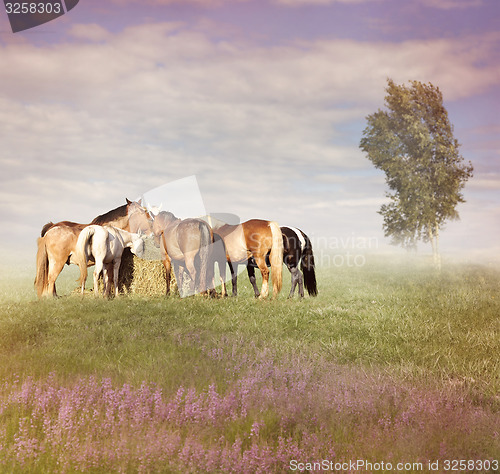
(297,248)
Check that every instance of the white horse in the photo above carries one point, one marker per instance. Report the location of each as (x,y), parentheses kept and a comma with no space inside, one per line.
(106,245)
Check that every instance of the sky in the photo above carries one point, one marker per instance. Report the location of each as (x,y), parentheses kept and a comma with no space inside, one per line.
(263,101)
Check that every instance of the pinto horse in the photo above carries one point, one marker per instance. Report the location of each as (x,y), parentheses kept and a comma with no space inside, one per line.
(56,245)
(255,239)
(297,249)
(106,245)
(187,245)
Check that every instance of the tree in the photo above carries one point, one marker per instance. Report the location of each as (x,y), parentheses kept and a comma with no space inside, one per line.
(413,143)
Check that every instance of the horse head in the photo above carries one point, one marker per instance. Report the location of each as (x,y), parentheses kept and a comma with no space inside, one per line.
(160,223)
(139,217)
(138,246)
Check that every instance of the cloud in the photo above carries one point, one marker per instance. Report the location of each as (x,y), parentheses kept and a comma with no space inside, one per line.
(440,4)
(486,182)
(218,3)
(200,3)
(106,116)
(90,32)
(163,60)
(348,203)
(364,202)
(452,4)
(295,3)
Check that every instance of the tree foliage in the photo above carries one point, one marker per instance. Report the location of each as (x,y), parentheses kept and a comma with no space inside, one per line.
(413,143)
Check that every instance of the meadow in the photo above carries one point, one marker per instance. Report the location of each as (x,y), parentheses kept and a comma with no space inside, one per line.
(392,368)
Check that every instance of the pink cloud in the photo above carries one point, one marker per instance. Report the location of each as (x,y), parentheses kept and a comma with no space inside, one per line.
(90,32)
(202,3)
(295,3)
(451,4)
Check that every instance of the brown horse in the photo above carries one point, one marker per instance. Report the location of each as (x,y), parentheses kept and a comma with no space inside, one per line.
(57,242)
(255,238)
(187,245)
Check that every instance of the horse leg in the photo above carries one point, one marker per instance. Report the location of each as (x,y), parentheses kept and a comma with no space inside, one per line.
(168,269)
(58,247)
(55,268)
(83,279)
(195,283)
(234,277)
(301,282)
(107,270)
(296,279)
(223,287)
(210,284)
(98,268)
(253,280)
(179,275)
(261,263)
(293,273)
(222,275)
(116,270)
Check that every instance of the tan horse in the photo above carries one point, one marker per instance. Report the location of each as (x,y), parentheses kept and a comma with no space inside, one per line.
(255,238)
(187,244)
(57,243)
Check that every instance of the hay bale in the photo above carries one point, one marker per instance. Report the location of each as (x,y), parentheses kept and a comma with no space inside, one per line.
(141,276)
(146,276)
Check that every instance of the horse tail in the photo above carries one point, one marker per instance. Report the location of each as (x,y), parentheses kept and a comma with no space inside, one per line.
(42,267)
(82,252)
(206,238)
(276,257)
(307,267)
(45,228)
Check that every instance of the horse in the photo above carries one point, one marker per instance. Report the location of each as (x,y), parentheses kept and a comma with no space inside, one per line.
(297,249)
(56,244)
(254,238)
(187,245)
(106,245)
(218,255)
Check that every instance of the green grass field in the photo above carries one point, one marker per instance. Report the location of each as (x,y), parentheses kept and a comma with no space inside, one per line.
(392,363)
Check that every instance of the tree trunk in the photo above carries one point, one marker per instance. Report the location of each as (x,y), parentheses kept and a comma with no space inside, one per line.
(433,244)
(434,240)
(437,258)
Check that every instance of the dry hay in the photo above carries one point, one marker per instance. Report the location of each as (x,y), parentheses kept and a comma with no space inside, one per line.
(143,276)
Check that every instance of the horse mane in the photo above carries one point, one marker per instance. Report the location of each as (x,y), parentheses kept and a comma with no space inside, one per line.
(111,215)
(167,216)
(170,215)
